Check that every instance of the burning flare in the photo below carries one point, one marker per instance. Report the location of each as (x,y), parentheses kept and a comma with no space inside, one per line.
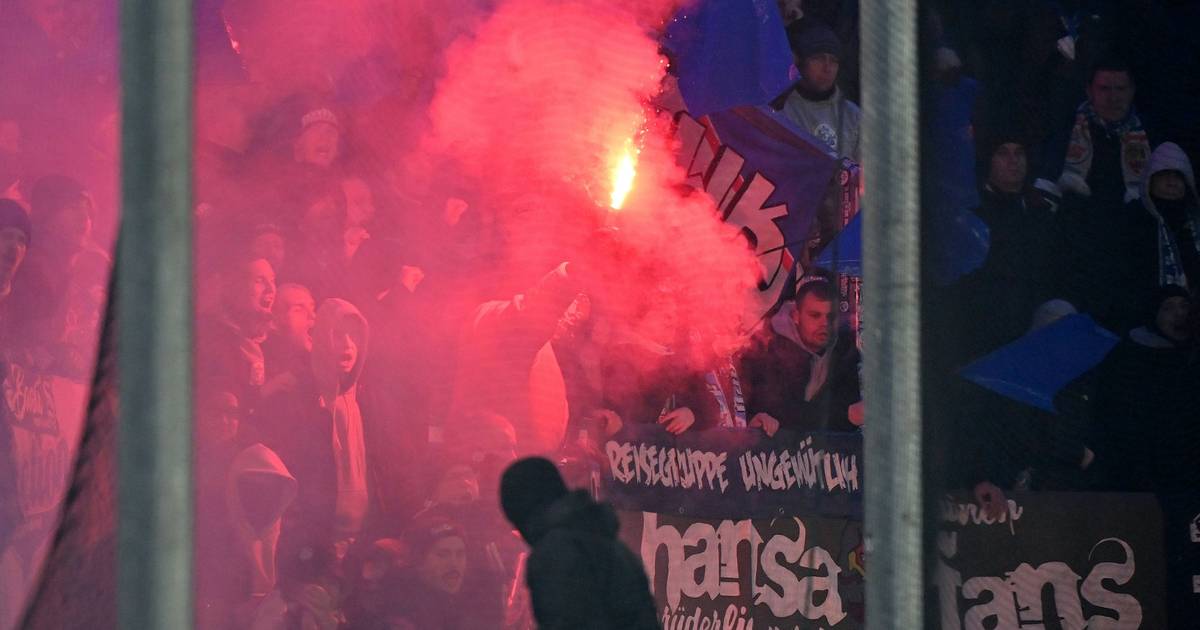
(623,175)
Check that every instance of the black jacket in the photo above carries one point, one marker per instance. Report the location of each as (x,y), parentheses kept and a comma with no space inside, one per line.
(581,577)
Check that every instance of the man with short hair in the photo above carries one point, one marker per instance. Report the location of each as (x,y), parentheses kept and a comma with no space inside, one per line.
(314,422)
(1107,148)
(290,340)
(799,372)
(229,355)
(815,102)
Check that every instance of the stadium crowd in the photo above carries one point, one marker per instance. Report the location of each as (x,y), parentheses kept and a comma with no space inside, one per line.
(375,344)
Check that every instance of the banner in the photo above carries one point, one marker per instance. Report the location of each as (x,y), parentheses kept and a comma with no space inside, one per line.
(44,416)
(1052,560)
(784,573)
(735,473)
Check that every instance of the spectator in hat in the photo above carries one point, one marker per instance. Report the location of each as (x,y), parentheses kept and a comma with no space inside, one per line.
(1001,295)
(815,102)
(428,590)
(319,142)
(579,574)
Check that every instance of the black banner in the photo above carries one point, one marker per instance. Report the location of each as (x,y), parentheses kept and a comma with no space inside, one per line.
(1052,560)
(783,573)
(735,473)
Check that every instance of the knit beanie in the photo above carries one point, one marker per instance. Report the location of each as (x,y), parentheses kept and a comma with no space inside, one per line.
(1163,294)
(13,215)
(809,37)
(527,486)
(426,531)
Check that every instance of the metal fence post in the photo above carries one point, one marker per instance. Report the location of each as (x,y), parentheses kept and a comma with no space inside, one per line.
(891,276)
(154,317)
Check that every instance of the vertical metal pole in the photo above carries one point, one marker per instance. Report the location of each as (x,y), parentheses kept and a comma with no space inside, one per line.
(891,278)
(154,317)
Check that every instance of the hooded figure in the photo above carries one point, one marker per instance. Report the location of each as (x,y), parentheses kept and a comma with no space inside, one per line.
(1177,219)
(803,389)
(312,419)
(237,553)
(580,575)
(1117,263)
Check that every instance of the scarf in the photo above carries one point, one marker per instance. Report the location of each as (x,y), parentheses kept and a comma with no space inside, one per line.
(1135,151)
(1171,259)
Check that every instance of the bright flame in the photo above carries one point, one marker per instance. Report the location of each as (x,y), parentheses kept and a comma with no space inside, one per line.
(623,175)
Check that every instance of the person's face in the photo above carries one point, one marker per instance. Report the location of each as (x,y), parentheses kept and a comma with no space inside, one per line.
(218,419)
(73,223)
(445,564)
(323,221)
(270,246)
(819,72)
(790,10)
(13,245)
(1111,94)
(318,145)
(1168,185)
(1172,320)
(345,346)
(295,314)
(254,293)
(1008,168)
(360,203)
(458,486)
(815,319)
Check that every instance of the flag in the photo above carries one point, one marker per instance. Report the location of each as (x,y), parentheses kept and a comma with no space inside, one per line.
(78,584)
(1035,367)
(728,53)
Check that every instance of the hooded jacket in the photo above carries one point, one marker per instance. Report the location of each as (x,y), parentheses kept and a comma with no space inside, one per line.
(1115,263)
(581,577)
(312,419)
(801,390)
(1174,237)
(241,499)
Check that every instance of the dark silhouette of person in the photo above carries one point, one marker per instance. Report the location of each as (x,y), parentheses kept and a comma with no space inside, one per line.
(580,575)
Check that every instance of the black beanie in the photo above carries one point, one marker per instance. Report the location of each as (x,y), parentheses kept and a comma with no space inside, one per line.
(809,37)
(1164,293)
(527,486)
(13,215)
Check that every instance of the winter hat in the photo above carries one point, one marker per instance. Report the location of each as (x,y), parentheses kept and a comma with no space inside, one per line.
(425,531)
(1050,312)
(13,215)
(1164,293)
(529,485)
(319,115)
(809,37)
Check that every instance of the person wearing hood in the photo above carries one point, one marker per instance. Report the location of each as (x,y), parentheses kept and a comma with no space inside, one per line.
(241,496)
(1117,265)
(312,419)
(580,575)
(815,103)
(800,372)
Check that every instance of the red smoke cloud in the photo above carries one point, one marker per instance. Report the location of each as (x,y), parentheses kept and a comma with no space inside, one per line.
(538,106)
